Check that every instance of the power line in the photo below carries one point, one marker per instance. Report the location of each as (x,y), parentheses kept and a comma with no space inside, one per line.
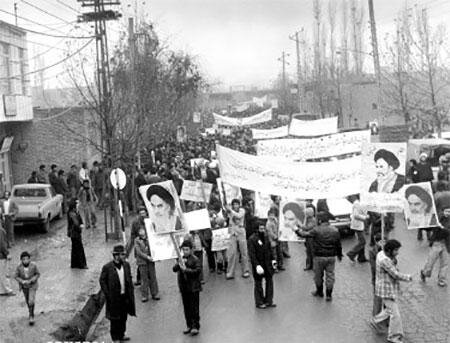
(46,12)
(65,5)
(47,27)
(49,66)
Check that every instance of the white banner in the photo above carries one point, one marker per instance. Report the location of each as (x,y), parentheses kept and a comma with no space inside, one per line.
(302,149)
(278,132)
(192,191)
(242,107)
(197,117)
(260,101)
(197,220)
(255,119)
(308,128)
(274,103)
(305,180)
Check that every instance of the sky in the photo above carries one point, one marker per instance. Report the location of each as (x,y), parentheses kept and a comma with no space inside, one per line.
(236,42)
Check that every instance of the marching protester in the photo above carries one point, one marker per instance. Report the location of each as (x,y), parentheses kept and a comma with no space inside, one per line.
(5,285)
(197,239)
(27,275)
(9,212)
(387,285)
(117,286)
(188,269)
(440,238)
(310,223)
(272,227)
(237,239)
(263,263)
(358,217)
(326,247)
(136,226)
(423,168)
(218,222)
(87,200)
(75,227)
(146,267)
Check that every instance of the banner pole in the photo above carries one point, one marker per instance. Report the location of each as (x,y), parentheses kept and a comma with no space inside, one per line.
(382,226)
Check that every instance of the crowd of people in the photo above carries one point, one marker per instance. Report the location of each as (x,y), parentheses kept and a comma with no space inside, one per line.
(254,242)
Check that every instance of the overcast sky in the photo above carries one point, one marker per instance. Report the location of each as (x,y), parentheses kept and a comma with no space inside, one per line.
(236,41)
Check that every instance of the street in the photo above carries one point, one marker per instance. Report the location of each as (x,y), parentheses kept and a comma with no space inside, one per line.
(228,314)
(62,291)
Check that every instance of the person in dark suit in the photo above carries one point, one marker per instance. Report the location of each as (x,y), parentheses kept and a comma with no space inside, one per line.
(263,261)
(74,228)
(188,269)
(27,275)
(116,284)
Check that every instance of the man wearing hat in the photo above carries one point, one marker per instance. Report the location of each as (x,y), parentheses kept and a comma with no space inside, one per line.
(326,247)
(388,181)
(116,284)
(189,269)
(420,204)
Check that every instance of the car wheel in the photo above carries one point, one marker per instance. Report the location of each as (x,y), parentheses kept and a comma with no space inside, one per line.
(46,225)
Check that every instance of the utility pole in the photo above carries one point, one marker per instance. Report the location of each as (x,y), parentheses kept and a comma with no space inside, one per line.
(282,59)
(376,57)
(15,12)
(297,41)
(99,17)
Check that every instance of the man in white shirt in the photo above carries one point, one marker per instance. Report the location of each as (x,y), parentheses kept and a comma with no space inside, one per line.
(9,211)
(84,172)
(358,217)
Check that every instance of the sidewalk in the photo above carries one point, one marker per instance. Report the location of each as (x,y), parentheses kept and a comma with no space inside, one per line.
(62,290)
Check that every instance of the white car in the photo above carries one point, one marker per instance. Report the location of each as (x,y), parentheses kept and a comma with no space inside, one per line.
(37,203)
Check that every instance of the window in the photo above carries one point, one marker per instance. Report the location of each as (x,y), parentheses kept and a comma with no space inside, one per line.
(5,69)
(30,192)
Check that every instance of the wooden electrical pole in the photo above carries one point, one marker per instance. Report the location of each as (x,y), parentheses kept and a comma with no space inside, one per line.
(297,41)
(283,61)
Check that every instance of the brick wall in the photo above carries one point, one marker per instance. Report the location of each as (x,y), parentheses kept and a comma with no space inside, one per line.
(54,136)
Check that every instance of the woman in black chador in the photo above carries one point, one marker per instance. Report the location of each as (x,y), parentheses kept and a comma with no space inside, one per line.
(74,227)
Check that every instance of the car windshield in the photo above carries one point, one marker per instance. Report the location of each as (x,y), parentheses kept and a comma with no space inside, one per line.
(30,192)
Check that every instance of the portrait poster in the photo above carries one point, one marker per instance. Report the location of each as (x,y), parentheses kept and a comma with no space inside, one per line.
(382,171)
(161,246)
(301,149)
(220,239)
(197,117)
(263,203)
(228,192)
(420,208)
(197,220)
(292,214)
(181,134)
(163,207)
(306,180)
(196,191)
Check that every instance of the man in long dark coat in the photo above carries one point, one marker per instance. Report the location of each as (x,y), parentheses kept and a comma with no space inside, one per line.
(116,284)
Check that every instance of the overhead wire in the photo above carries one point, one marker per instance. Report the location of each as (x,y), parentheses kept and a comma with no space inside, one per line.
(51,65)
(47,27)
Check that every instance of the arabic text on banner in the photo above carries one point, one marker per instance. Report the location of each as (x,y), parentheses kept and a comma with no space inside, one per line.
(302,149)
(306,180)
(278,132)
(308,128)
(255,119)
(192,191)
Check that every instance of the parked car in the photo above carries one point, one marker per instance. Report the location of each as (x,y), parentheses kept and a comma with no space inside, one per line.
(37,203)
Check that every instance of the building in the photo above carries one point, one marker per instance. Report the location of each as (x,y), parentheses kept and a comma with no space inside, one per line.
(15,98)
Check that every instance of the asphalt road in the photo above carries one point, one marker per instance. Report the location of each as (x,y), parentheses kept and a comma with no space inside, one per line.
(228,313)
